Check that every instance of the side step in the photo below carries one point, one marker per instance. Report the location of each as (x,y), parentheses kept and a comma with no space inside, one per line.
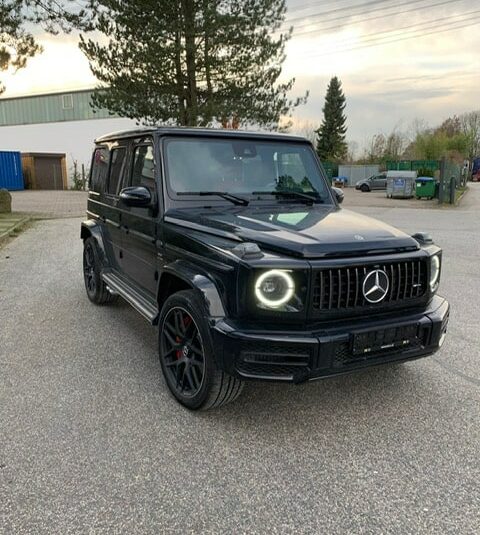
(147,308)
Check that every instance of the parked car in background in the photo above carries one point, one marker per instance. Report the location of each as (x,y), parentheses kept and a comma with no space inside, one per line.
(476,170)
(372,182)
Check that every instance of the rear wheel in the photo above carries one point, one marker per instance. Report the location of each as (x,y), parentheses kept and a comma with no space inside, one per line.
(186,355)
(364,188)
(97,290)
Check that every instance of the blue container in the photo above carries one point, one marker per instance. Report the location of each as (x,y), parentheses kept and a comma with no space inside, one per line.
(11,174)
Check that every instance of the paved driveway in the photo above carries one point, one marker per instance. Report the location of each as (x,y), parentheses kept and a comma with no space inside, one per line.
(91,442)
(50,204)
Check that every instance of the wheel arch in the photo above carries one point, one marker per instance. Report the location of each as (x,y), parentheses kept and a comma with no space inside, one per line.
(91,229)
(180,275)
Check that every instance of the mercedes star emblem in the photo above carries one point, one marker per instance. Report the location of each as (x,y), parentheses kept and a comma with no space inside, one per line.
(375,286)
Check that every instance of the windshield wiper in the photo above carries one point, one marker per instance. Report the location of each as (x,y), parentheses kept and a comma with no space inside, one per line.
(286,193)
(238,201)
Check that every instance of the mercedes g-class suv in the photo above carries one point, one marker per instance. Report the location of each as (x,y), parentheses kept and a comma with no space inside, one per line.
(235,246)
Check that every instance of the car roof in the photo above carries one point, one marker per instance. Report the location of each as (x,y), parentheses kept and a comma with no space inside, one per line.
(200,132)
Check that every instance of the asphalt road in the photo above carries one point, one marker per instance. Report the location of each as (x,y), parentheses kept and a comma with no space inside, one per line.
(91,442)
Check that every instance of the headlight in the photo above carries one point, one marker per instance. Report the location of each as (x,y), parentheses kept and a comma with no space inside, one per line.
(274,288)
(434,272)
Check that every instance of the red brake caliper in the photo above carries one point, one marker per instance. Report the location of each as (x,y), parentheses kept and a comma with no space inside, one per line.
(186,322)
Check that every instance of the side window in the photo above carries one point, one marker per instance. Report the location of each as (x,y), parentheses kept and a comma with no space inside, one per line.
(98,178)
(143,170)
(116,169)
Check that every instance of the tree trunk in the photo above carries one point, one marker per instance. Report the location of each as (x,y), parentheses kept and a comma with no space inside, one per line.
(207,23)
(188,7)
(182,116)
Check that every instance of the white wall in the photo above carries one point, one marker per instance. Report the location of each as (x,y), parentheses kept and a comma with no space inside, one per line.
(74,138)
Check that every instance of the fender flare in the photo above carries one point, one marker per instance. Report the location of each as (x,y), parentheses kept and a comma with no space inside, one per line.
(200,281)
(91,228)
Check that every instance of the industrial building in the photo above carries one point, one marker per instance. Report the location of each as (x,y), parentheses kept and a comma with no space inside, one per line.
(53,123)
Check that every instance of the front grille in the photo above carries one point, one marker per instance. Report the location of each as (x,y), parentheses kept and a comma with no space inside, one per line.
(273,360)
(341,288)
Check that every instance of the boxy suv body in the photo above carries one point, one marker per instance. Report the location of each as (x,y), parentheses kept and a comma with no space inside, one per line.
(235,245)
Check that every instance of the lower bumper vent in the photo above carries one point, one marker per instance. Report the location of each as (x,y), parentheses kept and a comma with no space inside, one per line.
(270,360)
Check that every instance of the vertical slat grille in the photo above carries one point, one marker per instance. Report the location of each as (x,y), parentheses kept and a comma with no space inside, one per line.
(342,288)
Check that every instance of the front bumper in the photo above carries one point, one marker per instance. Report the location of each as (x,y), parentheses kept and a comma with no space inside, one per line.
(337,348)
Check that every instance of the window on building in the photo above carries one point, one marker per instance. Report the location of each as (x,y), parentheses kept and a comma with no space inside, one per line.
(98,178)
(67,102)
(143,172)
(116,169)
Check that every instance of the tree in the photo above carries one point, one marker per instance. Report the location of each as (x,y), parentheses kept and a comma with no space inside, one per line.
(17,43)
(191,62)
(331,144)
(470,127)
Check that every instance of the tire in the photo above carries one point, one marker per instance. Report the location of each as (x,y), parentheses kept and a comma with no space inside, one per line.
(186,355)
(364,188)
(96,289)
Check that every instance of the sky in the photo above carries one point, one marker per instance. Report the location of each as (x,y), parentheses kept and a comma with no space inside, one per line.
(394,58)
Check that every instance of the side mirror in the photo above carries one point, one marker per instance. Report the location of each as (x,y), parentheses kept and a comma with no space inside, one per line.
(136,196)
(338,195)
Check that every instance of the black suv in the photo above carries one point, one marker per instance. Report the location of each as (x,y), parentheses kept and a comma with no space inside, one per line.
(235,245)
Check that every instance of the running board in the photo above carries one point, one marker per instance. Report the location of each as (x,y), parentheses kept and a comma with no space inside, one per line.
(137,299)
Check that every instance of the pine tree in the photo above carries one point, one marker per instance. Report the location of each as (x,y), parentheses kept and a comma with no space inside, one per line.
(331,144)
(191,62)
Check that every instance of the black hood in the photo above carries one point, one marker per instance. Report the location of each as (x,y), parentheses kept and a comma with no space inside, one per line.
(302,231)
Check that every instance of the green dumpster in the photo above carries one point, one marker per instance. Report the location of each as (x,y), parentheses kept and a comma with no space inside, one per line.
(425,187)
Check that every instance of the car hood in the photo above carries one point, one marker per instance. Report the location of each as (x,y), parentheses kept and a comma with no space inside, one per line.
(301,231)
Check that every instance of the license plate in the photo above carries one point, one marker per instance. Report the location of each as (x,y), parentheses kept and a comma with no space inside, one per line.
(384,339)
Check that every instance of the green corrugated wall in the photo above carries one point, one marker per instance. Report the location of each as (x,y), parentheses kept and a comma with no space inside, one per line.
(49,108)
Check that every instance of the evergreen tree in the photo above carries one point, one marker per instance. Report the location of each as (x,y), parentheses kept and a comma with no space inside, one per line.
(17,17)
(191,62)
(331,144)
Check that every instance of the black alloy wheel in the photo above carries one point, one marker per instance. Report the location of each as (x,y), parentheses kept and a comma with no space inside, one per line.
(187,355)
(364,188)
(182,351)
(89,269)
(97,290)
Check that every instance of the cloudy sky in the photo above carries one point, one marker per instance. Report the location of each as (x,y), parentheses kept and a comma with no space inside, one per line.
(396,60)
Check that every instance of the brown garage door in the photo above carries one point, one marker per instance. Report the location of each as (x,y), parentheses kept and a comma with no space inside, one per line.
(48,173)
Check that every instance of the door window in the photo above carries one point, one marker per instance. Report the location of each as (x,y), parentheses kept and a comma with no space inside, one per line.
(143,170)
(100,162)
(116,169)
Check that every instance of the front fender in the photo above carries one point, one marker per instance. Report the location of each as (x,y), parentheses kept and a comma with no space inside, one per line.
(199,281)
(90,228)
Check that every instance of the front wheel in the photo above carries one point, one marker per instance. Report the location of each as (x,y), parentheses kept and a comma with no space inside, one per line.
(186,355)
(364,188)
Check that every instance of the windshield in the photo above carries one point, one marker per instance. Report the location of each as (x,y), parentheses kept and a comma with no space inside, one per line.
(243,167)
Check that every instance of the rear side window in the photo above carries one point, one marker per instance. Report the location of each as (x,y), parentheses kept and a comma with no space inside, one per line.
(116,169)
(98,179)
(143,171)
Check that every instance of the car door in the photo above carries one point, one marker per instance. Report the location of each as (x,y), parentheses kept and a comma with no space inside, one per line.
(381,181)
(376,182)
(108,167)
(139,223)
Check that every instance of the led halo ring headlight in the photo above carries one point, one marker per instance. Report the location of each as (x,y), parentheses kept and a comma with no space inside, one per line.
(434,271)
(274,281)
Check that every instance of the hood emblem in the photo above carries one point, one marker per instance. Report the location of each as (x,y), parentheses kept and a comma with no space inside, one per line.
(375,286)
(358,237)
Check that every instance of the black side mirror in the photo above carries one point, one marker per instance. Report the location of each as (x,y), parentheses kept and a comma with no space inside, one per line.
(136,196)
(338,195)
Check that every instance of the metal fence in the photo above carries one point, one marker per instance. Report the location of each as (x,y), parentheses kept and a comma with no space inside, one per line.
(451,179)
(413,165)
